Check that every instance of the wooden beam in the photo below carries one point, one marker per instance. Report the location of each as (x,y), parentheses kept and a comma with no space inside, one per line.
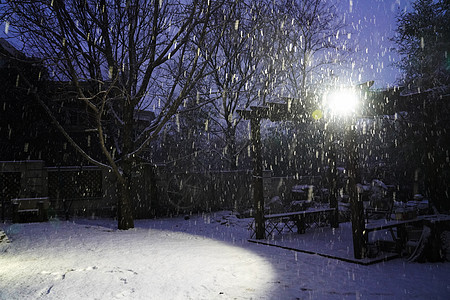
(356,204)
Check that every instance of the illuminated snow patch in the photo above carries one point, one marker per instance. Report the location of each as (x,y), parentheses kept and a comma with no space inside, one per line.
(80,262)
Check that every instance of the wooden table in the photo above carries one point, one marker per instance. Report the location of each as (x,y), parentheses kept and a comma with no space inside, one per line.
(280,222)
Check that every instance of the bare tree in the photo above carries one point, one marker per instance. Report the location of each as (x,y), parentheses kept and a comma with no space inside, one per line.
(313,37)
(240,73)
(270,49)
(127,53)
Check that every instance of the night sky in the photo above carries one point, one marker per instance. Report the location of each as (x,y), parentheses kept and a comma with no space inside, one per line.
(372,23)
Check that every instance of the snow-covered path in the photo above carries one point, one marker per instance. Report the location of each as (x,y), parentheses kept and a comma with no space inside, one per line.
(205,257)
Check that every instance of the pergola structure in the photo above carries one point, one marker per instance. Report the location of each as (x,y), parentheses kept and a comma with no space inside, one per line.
(286,112)
(274,112)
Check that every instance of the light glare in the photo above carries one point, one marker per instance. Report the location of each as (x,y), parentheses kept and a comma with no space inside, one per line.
(341,102)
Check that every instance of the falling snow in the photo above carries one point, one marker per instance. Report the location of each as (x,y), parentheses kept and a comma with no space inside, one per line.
(179,120)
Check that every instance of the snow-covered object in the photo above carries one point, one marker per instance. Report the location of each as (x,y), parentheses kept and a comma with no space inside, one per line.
(399,204)
(363,188)
(301,188)
(274,205)
(418,197)
(4,241)
(300,205)
(378,197)
(340,170)
(422,205)
(305,190)
(376,183)
(3,237)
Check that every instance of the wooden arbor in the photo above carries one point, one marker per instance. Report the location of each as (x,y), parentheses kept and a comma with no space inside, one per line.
(273,112)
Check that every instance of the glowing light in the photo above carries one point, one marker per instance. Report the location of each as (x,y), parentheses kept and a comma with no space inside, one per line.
(342,102)
(317,114)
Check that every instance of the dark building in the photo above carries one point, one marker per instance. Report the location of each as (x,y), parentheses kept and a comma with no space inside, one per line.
(26,130)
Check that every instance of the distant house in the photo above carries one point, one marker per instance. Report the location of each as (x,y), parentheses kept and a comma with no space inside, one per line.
(26,131)
(7,51)
(24,128)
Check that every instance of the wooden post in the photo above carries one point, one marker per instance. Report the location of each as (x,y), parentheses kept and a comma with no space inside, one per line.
(333,199)
(356,204)
(15,212)
(258,194)
(3,208)
(273,112)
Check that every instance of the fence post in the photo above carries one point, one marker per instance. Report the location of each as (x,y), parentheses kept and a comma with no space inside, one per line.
(258,188)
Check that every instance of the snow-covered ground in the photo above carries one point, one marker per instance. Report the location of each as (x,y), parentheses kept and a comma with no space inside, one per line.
(205,257)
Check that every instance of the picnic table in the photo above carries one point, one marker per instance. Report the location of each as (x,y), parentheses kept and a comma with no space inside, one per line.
(289,220)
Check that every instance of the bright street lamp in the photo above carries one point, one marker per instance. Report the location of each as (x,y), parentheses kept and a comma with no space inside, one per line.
(341,102)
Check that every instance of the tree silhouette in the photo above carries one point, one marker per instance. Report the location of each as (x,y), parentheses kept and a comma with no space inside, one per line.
(120,57)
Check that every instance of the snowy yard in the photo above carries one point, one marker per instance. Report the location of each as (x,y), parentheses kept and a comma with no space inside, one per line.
(205,257)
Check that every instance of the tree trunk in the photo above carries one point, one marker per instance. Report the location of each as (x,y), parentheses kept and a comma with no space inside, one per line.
(124,208)
(125,212)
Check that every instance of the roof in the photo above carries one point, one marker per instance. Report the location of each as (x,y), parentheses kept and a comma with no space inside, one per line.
(9,49)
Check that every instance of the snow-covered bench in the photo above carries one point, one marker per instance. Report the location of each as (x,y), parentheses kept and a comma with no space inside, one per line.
(399,237)
(26,209)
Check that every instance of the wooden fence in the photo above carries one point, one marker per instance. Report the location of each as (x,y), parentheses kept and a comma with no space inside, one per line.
(90,191)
